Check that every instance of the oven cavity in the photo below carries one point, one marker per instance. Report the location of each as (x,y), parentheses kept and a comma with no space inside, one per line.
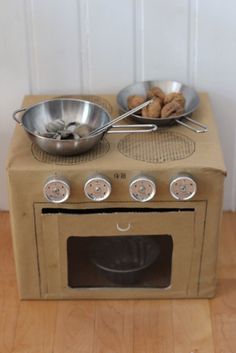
(117,261)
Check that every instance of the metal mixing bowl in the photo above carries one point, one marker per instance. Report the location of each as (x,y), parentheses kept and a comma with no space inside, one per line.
(35,119)
(70,112)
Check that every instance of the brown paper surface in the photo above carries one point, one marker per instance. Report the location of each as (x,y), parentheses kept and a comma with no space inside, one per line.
(41,263)
(207,154)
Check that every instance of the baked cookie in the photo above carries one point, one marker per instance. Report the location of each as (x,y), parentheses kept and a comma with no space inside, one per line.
(156,92)
(173,108)
(177,96)
(152,110)
(134,101)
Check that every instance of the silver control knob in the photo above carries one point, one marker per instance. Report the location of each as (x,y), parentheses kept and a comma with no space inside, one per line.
(142,189)
(56,189)
(183,187)
(97,188)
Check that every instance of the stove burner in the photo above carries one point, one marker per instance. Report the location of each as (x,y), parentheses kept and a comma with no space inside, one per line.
(157,147)
(98,151)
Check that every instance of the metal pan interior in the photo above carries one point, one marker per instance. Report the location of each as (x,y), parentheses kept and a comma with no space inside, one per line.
(38,116)
(192,99)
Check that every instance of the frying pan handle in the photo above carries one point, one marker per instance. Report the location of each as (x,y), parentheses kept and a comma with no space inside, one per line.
(15,113)
(201,128)
(135,128)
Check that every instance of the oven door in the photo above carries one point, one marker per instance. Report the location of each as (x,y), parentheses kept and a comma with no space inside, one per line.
(120,252)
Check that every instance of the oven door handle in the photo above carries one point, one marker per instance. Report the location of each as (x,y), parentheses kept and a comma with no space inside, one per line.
(123,229)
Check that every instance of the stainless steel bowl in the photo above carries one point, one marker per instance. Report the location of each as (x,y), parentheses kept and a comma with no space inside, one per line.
(192,101)
(36,118)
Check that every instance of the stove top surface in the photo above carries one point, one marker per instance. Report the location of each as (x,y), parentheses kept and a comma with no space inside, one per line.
(168,147)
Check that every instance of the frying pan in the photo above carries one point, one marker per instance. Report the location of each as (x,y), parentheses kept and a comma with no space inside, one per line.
(192,101)
(36,118)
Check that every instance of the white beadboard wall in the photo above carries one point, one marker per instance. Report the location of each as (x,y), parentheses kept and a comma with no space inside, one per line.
(98,46)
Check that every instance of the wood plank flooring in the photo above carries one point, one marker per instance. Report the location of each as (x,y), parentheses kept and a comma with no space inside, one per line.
(113,326)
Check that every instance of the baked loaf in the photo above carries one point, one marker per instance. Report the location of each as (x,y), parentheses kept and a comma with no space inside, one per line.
(152,110)
(134,101)
(156,92)
(162,106)
(174,108)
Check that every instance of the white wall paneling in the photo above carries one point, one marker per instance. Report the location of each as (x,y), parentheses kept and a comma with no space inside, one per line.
(14,79)
(98,46)
(110,45)
(165,39)
(192,42)
(52,33)
(216,57)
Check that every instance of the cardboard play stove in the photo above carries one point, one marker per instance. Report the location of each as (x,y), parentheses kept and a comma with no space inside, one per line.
(119,247)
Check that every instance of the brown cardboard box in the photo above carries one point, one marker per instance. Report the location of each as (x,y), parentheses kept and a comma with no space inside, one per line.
(40,234)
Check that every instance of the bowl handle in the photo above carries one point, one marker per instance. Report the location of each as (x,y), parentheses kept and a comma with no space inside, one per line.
(134,128)
(16,112)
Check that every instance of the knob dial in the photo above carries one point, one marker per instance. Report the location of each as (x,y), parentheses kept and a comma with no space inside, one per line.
(97,188)
(183,187)
(56,190)
(142,189)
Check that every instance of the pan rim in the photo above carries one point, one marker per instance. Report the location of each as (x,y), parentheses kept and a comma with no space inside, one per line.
(27,109)
(164,119)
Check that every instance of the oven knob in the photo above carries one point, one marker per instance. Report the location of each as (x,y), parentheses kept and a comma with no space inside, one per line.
(56,190)
(142,189)
(97,188)
(183,187)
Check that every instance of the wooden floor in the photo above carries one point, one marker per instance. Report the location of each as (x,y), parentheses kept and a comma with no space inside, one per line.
(151,326)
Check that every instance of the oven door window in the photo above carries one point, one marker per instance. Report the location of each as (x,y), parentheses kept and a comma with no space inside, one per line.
(152,250)
(119,261)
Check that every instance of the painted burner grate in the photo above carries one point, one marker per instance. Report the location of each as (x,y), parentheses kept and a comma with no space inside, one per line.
(98,151)
(157,147)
